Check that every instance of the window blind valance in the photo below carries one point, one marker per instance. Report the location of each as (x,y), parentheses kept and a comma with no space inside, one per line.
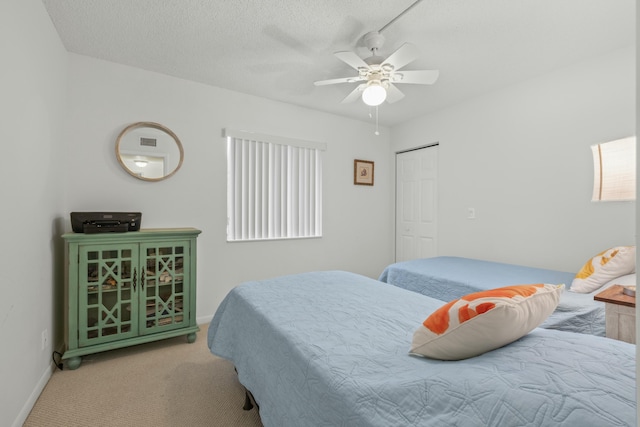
(280,140)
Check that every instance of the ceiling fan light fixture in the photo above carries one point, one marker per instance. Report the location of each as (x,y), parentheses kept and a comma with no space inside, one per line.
(374,94)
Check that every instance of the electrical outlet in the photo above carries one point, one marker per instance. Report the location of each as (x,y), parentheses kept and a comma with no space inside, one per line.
(471,213)
(45,339)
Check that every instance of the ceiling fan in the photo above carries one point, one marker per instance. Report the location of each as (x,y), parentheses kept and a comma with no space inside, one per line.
(379,75)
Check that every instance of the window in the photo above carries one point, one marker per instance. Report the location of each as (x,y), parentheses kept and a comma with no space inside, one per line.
(614,170)
(274,187)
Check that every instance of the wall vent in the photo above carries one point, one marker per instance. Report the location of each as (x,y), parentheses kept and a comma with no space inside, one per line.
(148,142)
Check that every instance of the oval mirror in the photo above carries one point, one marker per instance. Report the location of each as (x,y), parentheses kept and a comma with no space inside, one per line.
(149,151)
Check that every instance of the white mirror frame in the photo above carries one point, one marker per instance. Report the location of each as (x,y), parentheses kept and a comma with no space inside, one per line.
(127,153)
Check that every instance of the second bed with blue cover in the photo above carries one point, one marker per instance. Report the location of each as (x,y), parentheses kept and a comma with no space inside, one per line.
(448,278)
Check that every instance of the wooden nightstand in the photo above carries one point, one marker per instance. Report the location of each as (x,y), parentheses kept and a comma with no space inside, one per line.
(620,313)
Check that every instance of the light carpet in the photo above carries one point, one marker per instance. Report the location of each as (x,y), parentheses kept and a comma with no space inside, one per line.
(165,383)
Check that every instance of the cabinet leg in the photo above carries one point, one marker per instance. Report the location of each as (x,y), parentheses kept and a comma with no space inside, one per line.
(191,338)
(73,362)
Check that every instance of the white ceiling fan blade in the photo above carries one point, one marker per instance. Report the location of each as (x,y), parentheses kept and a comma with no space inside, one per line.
(351,59)
(421,77)
(402,56)
(339,80)
(355,94)
(394,94)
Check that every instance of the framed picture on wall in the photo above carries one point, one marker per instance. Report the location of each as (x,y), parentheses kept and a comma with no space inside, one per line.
(362,172)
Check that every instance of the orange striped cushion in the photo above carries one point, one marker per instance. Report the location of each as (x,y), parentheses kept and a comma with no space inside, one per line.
(483,321)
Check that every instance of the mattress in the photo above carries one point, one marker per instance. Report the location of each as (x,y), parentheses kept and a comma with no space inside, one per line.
(448,278)
(331,349)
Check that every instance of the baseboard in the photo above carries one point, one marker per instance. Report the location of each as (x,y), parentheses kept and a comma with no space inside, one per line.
(31,401)
(204,320)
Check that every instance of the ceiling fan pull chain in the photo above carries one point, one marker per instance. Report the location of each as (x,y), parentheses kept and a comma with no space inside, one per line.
(376,132)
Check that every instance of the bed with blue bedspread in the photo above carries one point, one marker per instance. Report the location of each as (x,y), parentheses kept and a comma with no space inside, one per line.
(448,278)
(332,349)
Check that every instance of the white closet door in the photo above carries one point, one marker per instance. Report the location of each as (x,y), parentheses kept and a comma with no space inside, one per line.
(416,203)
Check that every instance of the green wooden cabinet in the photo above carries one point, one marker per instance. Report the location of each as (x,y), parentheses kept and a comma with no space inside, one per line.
(123,289)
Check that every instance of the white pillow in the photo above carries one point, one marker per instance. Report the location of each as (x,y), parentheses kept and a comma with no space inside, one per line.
(604,267)
(483,321)
(626,280)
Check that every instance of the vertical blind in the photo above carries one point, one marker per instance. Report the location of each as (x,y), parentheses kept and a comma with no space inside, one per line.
(274,187)
(614,170)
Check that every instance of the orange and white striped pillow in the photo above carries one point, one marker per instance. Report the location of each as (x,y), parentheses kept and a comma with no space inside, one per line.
(483,321)
(608,265)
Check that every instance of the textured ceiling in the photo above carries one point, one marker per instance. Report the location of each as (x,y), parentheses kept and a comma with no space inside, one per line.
(277,49)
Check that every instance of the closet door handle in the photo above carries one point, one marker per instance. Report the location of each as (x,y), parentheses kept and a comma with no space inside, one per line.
(135,278)
(142,281)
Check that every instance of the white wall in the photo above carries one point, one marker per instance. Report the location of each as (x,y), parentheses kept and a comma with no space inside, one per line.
(32,108)
(106,97)
(520,156)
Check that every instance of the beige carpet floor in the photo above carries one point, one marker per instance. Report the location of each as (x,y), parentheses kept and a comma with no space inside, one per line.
(166,383)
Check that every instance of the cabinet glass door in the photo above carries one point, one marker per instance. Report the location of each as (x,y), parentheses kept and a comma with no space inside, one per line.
(107,293)
(164,296)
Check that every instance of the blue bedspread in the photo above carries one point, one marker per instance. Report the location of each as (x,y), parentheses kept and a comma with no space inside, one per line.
(331,349)
(448,278)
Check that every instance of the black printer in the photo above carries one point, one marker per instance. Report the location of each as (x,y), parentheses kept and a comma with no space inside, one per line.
(105,222)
